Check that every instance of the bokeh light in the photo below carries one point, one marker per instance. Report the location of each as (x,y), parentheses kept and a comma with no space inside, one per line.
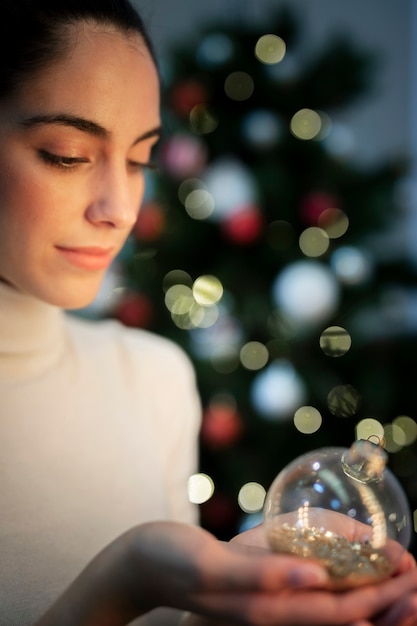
(200,488)
(394,438)
(306,291)
(340,142)
(270,49)
(307,420)
(225,359)
(251,497)
(261,128)
(207,290)
(231,184)
(239,86)
(370,428)
(254,355)
(335,341)
(351,265)
(179,299)
(278,390)
(334,222)
(199,204)
(313,241)
(215,50)
(306,124)
(175,277)
(189,185)
(343,401)
(202,120)
(405,430)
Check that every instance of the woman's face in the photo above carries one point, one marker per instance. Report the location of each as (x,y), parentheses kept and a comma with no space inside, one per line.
(74,143)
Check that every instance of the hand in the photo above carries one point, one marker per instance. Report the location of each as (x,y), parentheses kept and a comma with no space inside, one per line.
(244,583)
(336,608)
(185,567)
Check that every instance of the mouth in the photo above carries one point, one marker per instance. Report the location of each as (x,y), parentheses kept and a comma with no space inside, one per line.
(91,258)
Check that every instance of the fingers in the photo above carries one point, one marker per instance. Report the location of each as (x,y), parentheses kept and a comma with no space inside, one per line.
(403,613)
(237,568)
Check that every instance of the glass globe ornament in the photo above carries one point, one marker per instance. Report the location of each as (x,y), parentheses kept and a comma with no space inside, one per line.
(343,508)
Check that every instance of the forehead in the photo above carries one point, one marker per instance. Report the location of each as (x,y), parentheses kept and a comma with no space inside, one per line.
(106,75)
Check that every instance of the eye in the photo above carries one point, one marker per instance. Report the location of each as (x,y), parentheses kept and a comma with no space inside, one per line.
(137,165)
(60,161)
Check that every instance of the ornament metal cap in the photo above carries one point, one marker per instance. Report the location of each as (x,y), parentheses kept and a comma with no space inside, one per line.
(365,461)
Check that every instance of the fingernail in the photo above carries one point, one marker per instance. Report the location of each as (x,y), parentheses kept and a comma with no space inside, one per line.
(308,576)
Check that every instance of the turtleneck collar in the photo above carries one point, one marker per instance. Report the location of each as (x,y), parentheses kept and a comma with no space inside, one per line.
(31,335)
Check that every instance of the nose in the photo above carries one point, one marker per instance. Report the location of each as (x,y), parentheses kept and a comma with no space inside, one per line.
(116,198)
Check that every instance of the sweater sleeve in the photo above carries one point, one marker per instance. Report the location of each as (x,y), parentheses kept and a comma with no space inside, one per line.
(176,416)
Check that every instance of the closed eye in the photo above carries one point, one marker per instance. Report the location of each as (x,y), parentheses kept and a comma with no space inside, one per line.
(60,161)
(149,165)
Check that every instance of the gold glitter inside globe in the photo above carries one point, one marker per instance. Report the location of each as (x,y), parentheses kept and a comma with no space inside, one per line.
(349,563)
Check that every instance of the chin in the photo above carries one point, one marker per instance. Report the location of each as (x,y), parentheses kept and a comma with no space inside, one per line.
(69,297)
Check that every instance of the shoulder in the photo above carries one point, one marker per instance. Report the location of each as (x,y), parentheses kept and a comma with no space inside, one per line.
(128,345)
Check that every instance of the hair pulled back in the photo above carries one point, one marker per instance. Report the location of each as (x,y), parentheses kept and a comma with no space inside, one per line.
(35,33)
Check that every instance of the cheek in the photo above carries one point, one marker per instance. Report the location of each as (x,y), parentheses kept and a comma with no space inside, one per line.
(30,206)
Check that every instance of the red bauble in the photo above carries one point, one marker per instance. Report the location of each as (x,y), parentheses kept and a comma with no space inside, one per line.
(243,226)
(150,223)
(222,426)
(134,309)
(314,204)
(185,96)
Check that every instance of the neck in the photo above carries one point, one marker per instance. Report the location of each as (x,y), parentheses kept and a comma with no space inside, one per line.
(30,334)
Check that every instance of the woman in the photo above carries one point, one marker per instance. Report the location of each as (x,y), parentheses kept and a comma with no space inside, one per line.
(99,423)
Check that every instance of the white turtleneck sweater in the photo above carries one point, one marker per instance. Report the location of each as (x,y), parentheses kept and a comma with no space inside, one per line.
(98,432)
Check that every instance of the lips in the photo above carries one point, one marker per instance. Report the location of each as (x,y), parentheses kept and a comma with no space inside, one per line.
(91,258)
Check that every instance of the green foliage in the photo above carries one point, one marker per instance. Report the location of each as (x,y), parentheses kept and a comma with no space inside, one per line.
(287,173)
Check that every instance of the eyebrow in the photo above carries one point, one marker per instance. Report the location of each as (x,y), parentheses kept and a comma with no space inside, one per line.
(82,124)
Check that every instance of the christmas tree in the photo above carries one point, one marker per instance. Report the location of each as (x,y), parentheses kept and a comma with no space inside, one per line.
(251,252)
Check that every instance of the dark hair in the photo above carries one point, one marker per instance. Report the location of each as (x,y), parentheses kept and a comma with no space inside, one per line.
(34,33)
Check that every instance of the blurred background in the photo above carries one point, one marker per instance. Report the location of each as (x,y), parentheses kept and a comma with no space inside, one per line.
(276,241)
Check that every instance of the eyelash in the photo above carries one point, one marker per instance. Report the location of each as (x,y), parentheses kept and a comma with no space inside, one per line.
(66,163)
(61,162)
